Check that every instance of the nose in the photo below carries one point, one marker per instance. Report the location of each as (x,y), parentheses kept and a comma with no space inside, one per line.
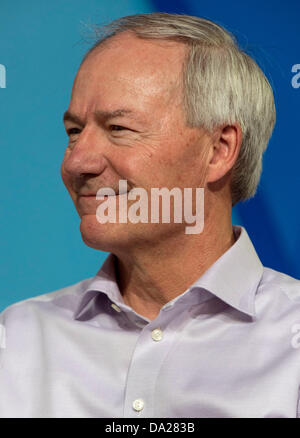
(86,156)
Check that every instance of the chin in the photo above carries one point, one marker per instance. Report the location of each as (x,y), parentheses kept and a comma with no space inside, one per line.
(121,238)
(104,237)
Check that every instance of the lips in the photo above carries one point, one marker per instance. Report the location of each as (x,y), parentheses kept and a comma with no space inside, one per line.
(93,195)
(122,189)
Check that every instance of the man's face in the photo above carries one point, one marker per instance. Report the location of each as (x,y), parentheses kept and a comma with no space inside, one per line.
(128,123)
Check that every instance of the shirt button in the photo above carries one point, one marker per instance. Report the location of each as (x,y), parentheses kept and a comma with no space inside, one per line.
(138,404)
(157,335)
(117,308)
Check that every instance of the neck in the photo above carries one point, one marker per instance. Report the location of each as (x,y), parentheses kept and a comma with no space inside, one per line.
(149,278)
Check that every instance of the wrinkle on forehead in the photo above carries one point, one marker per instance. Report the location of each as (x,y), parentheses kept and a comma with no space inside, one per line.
(142,75)
(149,65)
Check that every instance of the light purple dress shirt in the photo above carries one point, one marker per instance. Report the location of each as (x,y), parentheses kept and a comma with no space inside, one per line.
(228,346)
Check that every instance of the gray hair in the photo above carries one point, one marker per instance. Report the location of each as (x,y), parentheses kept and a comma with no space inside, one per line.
(222,85)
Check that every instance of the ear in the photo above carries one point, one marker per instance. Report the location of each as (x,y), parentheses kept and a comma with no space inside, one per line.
(224,151)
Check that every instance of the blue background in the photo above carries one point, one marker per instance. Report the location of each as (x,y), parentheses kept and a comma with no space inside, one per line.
(41,46)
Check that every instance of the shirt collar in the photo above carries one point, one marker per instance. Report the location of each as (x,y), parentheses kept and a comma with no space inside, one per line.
(104,282)
(234,278)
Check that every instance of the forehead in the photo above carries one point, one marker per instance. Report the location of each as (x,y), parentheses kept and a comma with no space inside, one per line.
(133,69)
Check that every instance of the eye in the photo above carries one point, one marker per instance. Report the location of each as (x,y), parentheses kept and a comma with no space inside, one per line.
(73,131)
(117,128)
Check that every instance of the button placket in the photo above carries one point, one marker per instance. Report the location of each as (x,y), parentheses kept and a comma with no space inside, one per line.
(146,361)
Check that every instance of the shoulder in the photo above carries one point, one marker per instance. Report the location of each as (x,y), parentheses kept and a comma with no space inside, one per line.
(278,296)
(282,283)
(59,302)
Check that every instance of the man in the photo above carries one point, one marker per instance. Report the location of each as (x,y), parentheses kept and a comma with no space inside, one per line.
(174,324)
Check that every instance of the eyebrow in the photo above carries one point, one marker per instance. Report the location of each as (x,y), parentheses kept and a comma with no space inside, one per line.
(100,115)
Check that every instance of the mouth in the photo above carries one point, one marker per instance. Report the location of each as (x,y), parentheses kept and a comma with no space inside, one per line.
(93,195)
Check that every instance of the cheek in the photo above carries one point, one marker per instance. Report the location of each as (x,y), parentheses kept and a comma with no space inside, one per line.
(131,166)
(157,170)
